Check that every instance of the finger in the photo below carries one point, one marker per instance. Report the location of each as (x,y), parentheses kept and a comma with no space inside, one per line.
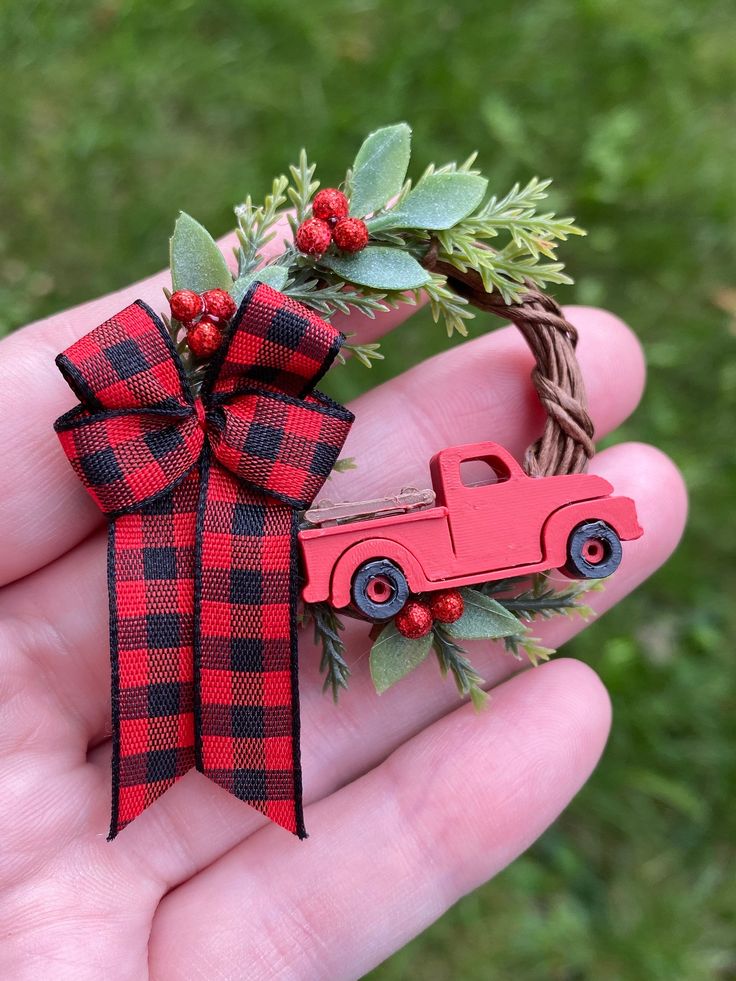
(392,851)
(53,631)
(45,509)
(495,398)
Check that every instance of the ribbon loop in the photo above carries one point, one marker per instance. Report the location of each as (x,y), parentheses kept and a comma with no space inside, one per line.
(128,459)
(129,362)
(282,446)
(202,558)
(284,347)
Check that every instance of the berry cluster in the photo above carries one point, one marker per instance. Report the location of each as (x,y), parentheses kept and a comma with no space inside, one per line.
(330,223)
(204,316)
(417,616)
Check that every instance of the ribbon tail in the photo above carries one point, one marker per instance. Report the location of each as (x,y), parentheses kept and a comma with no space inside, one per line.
(151,589)
(246,677)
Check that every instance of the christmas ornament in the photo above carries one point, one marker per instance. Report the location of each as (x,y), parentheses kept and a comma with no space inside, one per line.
(203,440)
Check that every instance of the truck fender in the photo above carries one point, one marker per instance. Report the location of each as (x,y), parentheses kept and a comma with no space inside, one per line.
(373,548)
(618,512)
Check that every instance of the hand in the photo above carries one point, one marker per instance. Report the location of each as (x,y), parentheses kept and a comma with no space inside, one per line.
(412,799)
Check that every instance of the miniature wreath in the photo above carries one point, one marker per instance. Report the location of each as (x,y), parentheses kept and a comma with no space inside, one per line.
(378,241)
(204,440)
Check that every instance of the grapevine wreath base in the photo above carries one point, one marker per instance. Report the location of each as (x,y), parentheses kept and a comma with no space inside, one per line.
(202,437)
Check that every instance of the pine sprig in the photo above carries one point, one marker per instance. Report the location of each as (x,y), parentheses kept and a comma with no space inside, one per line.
(516,214)
(331,298)
(532,239)
(542,601)
(333,666)
(452,659)
(302,187)
(255,224)
(365,353)
(443,302)
(466,167)
(530,646)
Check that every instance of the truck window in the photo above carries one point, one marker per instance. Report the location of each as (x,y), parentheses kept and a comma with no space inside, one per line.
(482,472)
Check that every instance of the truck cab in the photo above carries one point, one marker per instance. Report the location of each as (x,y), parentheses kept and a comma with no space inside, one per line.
(495,510)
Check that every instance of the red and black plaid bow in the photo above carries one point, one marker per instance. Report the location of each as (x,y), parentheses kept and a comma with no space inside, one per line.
(203,495)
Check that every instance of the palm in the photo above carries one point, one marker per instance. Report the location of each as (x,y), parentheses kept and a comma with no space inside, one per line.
(199,885)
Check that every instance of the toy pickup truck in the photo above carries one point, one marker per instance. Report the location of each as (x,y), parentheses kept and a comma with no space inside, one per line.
(509,525)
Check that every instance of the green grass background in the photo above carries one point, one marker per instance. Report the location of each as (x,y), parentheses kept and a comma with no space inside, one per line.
(115,115)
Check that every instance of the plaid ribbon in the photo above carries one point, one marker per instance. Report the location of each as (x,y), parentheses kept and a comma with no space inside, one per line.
(202,494)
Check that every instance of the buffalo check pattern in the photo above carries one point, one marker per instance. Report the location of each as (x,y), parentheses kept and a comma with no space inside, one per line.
(203,494)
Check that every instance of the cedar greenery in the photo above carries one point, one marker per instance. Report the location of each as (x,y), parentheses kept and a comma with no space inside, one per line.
(530,237)
(327,627)
(542,601)
(255,225)
(331,298)
(302,188)
(365,353)
(443,302)
(452,658)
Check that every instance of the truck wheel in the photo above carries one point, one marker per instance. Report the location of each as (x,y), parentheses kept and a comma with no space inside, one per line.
(379,589)
(593,551)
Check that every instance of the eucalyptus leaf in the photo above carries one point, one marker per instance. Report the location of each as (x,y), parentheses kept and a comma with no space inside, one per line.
(393,656)
(275,276)
(438,201)
(484,619)
(379,169)
(196,261)
(380,267)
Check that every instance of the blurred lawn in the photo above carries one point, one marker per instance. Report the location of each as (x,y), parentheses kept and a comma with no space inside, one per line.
(115,115)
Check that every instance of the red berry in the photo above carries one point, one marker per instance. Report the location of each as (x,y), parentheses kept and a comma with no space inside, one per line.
(414,620)
(313,236)
(185,305)
(447,606)
(330,204)
(218,303)
(350,234)
(204,338)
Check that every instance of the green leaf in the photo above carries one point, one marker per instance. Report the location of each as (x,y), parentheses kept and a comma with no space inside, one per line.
(379,267)
(379,169)
(196,261)
(393,656)
(484,618)
(438,201)
(275,276)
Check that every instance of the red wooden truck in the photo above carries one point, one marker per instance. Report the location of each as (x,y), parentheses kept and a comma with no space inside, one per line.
(372,556)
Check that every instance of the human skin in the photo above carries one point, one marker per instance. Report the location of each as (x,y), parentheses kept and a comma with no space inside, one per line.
(412,799)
